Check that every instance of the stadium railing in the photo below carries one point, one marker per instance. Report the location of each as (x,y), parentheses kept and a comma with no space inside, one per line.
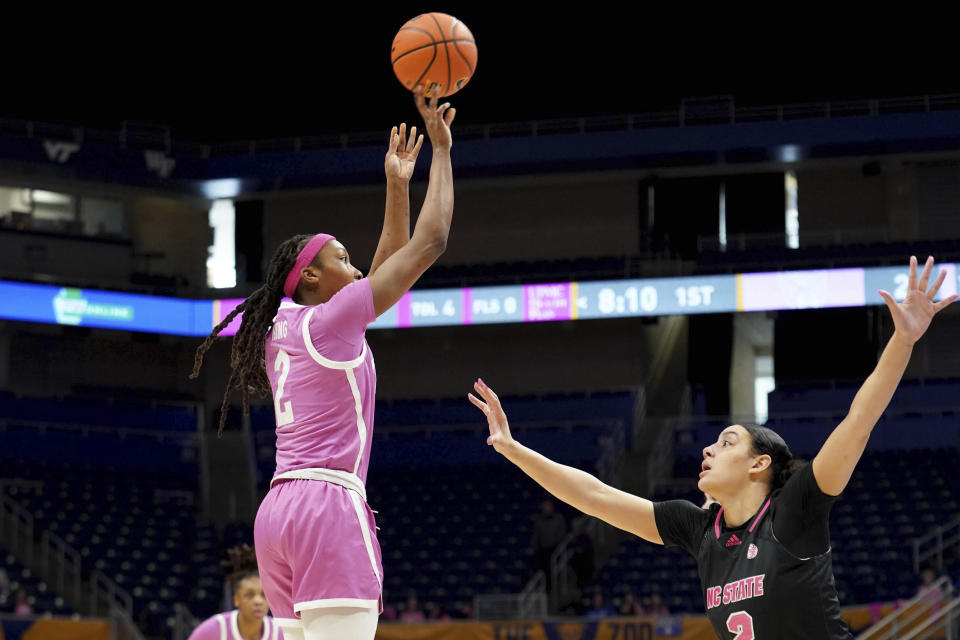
(940,624)
(692,112)
(184,622)
(61,565)
(908,620)
(935,543)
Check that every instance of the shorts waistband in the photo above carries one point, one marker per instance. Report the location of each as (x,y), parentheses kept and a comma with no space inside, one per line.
(343,478)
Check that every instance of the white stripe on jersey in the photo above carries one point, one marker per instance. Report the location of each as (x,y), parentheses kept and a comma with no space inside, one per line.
(329,364)
(221,618)
(361,425)
(365,532)
(234,617)
(348,367)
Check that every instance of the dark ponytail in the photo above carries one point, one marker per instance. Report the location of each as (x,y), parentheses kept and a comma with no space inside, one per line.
(248,370)
(241,562)
(782,463)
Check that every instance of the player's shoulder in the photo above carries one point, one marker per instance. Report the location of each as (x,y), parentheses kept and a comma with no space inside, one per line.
(289,308)
(290,313)
(210,628)
(801,481)
(685,509)
(358,289)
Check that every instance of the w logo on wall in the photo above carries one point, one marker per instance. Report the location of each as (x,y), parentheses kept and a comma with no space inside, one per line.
(159,163)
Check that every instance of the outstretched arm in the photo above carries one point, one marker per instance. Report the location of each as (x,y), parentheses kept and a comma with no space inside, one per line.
(399,271)
(577,488)
(401,159)
(836,460)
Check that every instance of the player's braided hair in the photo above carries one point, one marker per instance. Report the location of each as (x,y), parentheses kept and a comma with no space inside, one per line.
(768,442)
(241,562)
(248,372)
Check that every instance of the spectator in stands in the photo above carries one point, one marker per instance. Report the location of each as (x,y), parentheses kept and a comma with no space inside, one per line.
(930,592)
(389,612)
(655,606)
(21,604)
(436,612)
(599,607)
(582,560)
(549,530)
(630,606)
(4,583)
(463,610)
(412,613)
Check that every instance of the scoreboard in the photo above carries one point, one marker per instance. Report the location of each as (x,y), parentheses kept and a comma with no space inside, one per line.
(766,291)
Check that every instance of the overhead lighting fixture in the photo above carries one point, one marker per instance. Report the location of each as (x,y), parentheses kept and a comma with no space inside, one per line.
(50,197)
(221,189)
(789,153)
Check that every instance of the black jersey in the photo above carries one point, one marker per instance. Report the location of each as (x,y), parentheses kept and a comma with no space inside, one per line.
(754,587)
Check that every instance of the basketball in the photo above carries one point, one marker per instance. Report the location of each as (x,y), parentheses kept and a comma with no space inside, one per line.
(435,50)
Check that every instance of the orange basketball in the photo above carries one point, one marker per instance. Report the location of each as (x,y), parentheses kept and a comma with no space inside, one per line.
(434,50)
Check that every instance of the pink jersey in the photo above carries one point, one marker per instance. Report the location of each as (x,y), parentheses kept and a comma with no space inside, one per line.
(223,626)
(324,382)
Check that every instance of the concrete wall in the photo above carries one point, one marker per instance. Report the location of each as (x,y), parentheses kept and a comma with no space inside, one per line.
(504,220)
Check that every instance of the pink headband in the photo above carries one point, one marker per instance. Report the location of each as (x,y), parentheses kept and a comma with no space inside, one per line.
(303,259)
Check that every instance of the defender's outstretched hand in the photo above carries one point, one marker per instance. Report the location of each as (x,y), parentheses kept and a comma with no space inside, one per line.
(500,436)
(912,316)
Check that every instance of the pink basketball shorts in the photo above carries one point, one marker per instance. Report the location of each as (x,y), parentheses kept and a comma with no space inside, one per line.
(317,546)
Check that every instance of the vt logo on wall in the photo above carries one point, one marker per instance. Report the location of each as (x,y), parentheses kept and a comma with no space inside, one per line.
(60,152)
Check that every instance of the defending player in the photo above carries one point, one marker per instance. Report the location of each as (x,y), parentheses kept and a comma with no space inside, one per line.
(762,547)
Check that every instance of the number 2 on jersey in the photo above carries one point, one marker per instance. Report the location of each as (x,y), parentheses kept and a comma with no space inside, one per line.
(282,408)
(740,623)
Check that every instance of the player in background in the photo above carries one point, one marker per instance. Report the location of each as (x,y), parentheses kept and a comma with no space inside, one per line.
(249,621)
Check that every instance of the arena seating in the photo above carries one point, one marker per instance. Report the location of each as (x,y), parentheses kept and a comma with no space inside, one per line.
(454,518)
(442,511)
(40,596)
(565,426)
(118,484)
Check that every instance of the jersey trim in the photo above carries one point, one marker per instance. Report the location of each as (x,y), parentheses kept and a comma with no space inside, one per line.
(365,532)
(336,602)
(223,625)
(235,626)
(763,510)
(319,359)
(792,554)
(336,476)
(361,424)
